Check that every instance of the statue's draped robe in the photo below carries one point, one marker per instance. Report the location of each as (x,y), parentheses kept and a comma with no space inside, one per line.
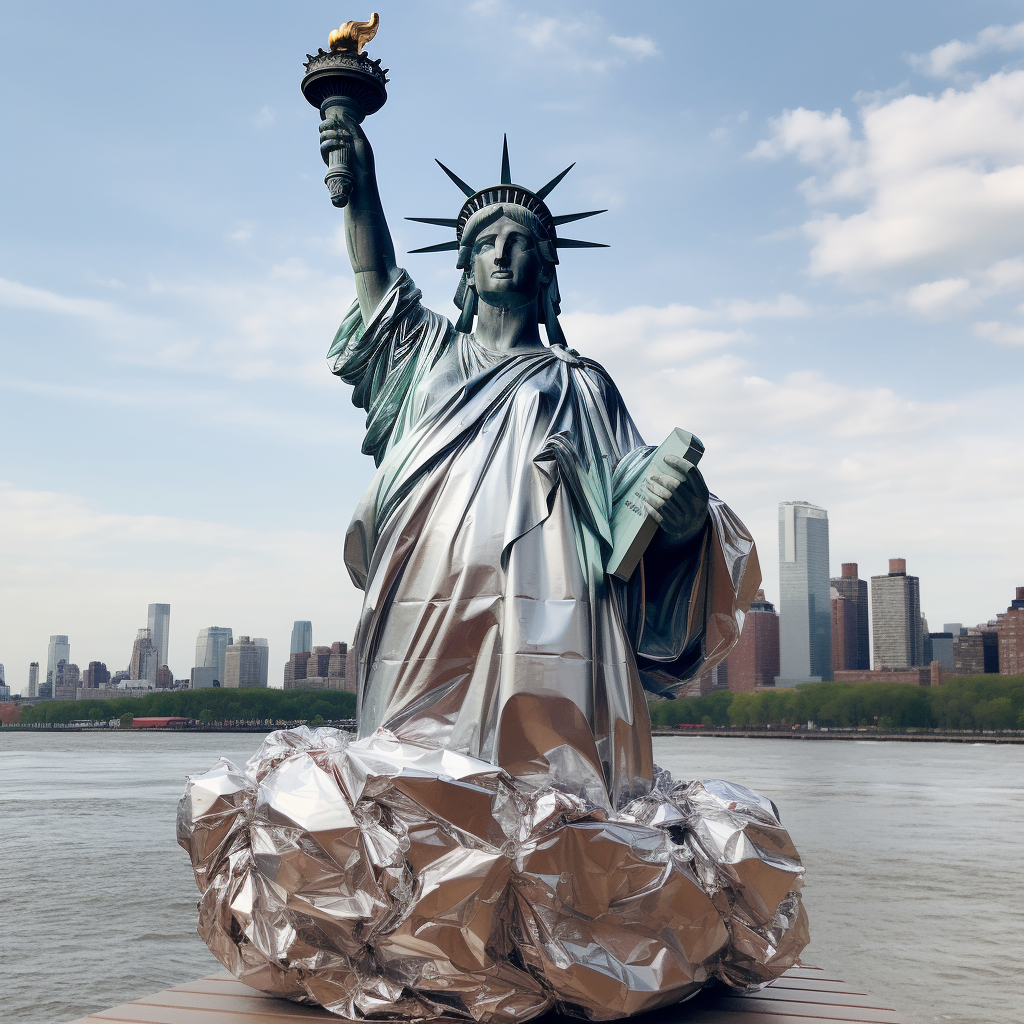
(489,625)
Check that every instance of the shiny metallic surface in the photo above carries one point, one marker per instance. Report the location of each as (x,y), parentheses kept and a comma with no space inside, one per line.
(389,877)
(489,623)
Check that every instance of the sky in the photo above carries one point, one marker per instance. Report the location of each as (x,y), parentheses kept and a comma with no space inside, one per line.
(815,220)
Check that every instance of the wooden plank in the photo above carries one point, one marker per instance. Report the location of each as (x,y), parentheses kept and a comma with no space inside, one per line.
(221,987)
(838,997)
(238,1003)
(860,1015)
(804,995)
(812,985)
(150,1013)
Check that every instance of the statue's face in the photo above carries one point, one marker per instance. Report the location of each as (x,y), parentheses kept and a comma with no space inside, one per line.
(507,268)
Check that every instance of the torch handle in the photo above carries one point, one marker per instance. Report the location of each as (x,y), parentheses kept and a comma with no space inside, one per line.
(339,178)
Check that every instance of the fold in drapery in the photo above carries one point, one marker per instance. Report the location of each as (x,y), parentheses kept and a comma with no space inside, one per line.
(489,625)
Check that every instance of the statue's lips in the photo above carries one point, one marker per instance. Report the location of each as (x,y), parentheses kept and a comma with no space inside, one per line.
(501,275)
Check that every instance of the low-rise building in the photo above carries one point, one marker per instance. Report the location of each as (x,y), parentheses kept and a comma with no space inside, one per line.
(1011,637)
(323,668)
(295,668)
(65,681)
(939,647)
(204,677)
(246,663)
(912,676)
(754,661)
(976,653)
(95,675)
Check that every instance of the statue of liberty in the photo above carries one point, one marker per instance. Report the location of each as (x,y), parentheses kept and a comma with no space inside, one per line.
(498,841)
(489,624)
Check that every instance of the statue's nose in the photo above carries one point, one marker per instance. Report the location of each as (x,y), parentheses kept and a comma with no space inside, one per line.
(503,257)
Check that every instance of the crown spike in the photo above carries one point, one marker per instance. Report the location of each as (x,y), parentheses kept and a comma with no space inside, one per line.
(441,222)
(568,218)
(575,243)
(544,192)
(506,171)
(458,181)
(451,246)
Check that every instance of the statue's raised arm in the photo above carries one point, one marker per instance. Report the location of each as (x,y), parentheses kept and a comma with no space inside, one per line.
(370,248)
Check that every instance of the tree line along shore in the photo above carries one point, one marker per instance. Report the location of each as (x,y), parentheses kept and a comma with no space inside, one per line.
(208,706)
(990,702)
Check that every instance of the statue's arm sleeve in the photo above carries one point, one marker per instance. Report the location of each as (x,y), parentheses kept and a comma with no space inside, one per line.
(380,359)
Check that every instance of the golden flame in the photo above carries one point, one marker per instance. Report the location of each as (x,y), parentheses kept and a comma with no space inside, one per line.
(353,35)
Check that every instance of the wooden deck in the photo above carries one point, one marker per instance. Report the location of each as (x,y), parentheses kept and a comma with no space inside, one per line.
(804,995)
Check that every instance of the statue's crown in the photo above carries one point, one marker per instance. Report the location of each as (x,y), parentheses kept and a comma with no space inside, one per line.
(515,195)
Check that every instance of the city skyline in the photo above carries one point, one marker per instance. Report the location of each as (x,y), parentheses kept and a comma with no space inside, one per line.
(213,641)
(758,289)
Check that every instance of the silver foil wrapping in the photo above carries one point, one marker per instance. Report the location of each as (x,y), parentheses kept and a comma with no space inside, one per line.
(390,878)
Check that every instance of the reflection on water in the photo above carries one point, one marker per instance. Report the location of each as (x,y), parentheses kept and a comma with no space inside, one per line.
(913,854)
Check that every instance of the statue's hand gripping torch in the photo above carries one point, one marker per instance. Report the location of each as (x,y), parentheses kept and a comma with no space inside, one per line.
(346,86)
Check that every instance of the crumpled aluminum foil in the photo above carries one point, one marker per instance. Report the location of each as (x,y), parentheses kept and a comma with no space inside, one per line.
(388,878)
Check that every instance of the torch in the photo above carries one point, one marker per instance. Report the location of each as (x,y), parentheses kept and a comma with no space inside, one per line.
(343,82)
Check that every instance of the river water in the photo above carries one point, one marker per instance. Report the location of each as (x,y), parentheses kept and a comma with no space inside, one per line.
(914,855)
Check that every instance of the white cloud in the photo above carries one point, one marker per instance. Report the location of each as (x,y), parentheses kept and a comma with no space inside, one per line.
(277,326)
(936,297)
(15,295)
(264,119)
(814,136)
(741,310)
(640,47)
(937,184)
(674,333)
(1002,334)
(945,60)
(579,44)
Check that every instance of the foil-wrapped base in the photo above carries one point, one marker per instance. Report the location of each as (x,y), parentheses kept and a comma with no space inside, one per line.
(390,879)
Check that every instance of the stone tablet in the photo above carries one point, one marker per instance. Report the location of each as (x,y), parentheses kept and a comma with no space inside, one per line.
(633,527)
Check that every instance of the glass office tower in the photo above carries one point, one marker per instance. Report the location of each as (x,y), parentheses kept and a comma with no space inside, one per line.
(160,628)
(302,637)
(805,606)
(211,649)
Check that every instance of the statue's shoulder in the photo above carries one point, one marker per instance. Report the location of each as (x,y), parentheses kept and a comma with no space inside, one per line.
(598,373)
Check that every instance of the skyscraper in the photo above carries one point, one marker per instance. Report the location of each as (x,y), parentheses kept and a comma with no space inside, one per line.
(896,618)
(754,661)
(65,681)
(246,663)
(211,648)
(33,679)
(855,590)
(57,650)
(160,628)
(302,637)
(805,607)
(143,665)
